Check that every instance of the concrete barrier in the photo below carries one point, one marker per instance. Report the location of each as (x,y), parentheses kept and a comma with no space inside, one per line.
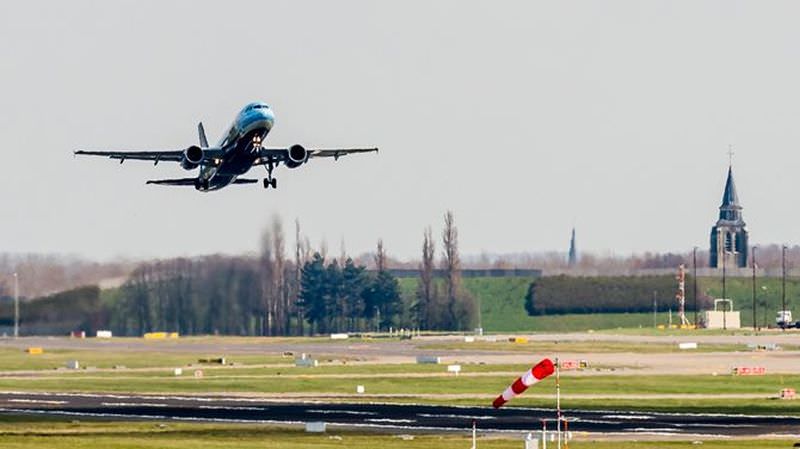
(315,427)
(306,363)
(428,359)
(160,335)
(567,365)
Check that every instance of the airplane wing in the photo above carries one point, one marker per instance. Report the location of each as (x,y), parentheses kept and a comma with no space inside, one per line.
(337,153)
(209,154)
(282,154)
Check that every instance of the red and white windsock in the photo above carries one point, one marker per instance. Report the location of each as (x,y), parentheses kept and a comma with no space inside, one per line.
(533,375)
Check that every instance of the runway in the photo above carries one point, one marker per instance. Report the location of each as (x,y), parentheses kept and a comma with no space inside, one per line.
(384,416)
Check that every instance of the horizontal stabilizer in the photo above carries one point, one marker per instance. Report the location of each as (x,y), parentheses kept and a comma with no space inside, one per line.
(174,182)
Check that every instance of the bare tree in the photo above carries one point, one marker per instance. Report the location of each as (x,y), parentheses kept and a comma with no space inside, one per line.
(451,265)
(380,257)
(299,261)
(461,308)
(266,264)
(425,291)
(279,279)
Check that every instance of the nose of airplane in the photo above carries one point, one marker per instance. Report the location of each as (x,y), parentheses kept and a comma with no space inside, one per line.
(261,117)
(268,117)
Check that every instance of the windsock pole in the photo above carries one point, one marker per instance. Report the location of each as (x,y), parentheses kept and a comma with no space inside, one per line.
(474,439)
(558,401)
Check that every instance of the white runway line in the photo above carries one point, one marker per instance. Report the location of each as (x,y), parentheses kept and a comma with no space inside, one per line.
(344,412)
(36,401)
(133,404)
(432,415)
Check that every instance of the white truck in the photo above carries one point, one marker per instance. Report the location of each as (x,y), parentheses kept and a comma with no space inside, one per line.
(784,319)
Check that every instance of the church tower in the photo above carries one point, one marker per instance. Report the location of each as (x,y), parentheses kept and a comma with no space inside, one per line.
(729,235)
(572,259)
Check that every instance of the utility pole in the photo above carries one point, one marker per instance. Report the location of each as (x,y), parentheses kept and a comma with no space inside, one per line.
(783,287)
(754,288)
(694,282)
(16,305)
(655,310)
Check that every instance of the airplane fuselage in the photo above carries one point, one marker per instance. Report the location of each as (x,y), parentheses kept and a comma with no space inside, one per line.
(239,150)
(240,144)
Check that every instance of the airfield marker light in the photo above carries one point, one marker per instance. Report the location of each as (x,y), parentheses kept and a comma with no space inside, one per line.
(530,377)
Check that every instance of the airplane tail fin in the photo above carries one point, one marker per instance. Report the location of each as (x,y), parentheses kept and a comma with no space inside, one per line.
(202,133)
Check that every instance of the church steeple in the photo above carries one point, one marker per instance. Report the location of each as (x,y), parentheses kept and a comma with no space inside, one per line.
(729,237)
(573,251)
(730,209)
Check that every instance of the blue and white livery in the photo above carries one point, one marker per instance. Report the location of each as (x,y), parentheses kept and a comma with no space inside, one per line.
(237,152)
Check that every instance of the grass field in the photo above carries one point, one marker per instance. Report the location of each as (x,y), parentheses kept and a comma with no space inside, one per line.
(594,347)
(501,302)
(28,433)
(13,359)
(502,310)
(434,383)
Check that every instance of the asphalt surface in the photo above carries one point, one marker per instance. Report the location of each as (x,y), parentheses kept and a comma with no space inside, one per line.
(385,416)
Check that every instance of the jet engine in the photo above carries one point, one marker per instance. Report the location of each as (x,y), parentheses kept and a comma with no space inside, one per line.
(192,157)
(297,156)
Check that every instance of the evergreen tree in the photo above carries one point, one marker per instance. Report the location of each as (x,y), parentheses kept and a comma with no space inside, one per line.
(312,289)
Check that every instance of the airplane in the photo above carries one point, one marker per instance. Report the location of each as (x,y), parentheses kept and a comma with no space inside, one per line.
(238,150)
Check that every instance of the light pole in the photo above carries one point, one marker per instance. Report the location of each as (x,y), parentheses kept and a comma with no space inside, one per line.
(694,282)
(783,288)
(16,305)
(655,310)
(754,287)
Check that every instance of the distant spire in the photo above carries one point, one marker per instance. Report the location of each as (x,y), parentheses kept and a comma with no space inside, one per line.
(729,197)
(573,251)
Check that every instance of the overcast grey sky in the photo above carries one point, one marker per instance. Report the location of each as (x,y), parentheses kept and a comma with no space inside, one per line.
(522,117)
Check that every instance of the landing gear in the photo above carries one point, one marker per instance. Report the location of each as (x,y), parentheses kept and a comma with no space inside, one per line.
(269,181)
(201,184)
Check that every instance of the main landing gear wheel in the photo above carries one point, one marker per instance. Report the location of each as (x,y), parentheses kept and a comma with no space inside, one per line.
(269,180)
(270,183)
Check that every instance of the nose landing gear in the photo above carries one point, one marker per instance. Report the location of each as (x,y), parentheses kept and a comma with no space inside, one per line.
(201,184)
(270,183)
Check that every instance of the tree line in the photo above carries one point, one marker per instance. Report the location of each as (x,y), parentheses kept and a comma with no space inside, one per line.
(274,293)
